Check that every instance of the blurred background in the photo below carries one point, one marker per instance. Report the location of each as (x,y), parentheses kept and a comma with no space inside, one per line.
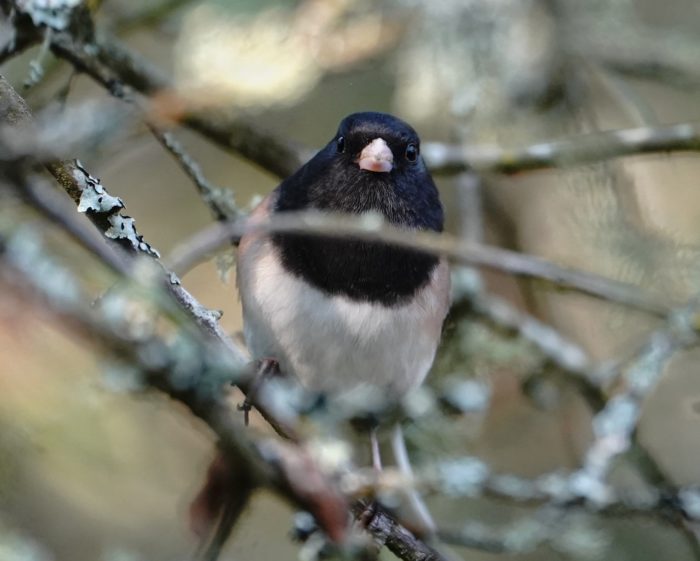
(89,471)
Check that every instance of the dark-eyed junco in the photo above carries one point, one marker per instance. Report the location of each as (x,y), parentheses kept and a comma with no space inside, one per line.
(339,313)
(334,313)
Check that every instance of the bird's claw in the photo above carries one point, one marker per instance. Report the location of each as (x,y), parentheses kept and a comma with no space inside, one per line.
(266,368)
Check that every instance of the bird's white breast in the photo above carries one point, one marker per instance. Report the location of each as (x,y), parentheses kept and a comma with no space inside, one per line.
(332,343)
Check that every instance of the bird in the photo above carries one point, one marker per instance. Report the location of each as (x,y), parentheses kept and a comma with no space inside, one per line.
(341,314)
(338,314)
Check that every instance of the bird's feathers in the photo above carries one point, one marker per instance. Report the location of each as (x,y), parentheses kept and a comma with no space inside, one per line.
(339,313)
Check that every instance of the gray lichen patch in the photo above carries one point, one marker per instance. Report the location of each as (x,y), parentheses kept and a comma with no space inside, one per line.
(123,227)
(55,14)
(94,197)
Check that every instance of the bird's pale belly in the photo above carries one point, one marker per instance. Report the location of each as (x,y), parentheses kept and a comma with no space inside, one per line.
(332,343)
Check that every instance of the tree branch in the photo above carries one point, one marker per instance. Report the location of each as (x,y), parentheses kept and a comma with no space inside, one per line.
(582,149)
(270,463)
(113,63)
(372,228)
(220,201)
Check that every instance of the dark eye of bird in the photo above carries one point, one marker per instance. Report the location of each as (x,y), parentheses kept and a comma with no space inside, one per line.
(340,143)
(411,152)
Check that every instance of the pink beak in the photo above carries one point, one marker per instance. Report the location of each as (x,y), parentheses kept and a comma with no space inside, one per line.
(376,156)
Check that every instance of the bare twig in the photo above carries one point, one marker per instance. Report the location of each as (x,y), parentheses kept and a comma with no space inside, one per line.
(25,34)
(371,227)
(266,461)
(114,62)
(219,201)
(615,425)
(16,46)
(216,199)
(583,149)
(558,349)
(105,211)
(661,55)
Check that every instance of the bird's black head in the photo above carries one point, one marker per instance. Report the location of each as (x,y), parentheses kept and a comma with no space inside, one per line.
(372,163)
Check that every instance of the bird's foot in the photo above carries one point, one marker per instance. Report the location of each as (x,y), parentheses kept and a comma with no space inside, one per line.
(366,517)
(266,368)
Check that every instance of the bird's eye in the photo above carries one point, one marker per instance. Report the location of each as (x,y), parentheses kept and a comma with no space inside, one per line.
(411,152)
(340,143)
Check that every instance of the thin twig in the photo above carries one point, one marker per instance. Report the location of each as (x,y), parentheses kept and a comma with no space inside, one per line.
(558,349)
(114,60)
(219,201)
(221,205)
(372,228)
(158,362)
(582,149)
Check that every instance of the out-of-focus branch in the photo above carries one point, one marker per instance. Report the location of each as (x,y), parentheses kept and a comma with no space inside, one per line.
(371,227)
(583,149)
(615,425)
(222,207)
(556,347)
(295,467)
(219,201)
(17,45)
(112,61)
(470,477)
(105,212)
(268,462)
(24,33)
(441,158)
(667,72)
(112,64)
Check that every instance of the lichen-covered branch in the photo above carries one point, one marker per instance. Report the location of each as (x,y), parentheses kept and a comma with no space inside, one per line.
(106,212)
(268,462)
